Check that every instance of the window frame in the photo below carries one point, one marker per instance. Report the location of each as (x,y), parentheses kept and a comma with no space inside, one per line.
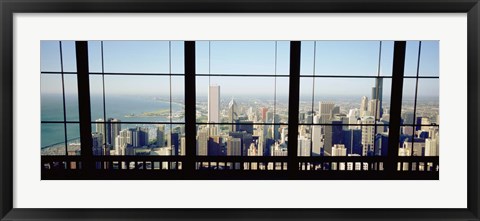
(190,159)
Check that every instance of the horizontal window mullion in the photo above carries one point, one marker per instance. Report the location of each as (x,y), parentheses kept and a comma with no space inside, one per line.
(240,75)
(205,123)
(136,122)
(59,122)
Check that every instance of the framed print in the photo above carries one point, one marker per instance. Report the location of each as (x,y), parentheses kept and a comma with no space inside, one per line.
(231,110)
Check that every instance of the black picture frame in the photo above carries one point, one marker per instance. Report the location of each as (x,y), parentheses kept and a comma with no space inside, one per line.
(9,7)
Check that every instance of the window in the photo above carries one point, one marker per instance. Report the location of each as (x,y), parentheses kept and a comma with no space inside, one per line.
(227,109)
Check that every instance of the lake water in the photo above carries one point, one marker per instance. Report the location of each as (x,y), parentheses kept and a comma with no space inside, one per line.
(116,107)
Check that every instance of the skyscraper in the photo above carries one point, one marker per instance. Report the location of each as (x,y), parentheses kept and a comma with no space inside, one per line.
(174,143)
(364,106)
(325,109)
(304,145)
(109,130)
(232,113)
(352,138)
(368,135)
(115,128)
(234,146)
(374,108)
(316,136)
(183,144)
(202,142)
(97,143)
(264,113)
(353,115)
(160,135)
(214,104)
(377,93)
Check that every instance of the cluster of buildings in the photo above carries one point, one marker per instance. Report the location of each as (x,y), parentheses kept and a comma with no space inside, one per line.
(330,131)
(235,130)
(110,139)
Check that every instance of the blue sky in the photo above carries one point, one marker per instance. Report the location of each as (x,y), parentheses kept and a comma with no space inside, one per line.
(241,57)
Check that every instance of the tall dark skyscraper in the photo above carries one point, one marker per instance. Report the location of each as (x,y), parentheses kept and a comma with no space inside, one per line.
(109,130)
(353,141)
(174,142)
(378,94)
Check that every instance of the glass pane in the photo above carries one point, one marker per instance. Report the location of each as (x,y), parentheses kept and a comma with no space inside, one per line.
(136,56)
(306,105)
(408,100)
(385,103)
(71,97)
(202,57)
(359,58)
(116,138)
(96,97)
(178,57)
(340,139)
(241,139)
(413,141)
(386,61)
(95,56)
(50,56)
(239,98)
(51,97)
(245,57)
(52,139)
(178,99)
(428,101)
(307,51)
(350,96)
(411,58)
(145,100)
(73,139)
(429,59)
(69,56)
(381,141)
(281,100)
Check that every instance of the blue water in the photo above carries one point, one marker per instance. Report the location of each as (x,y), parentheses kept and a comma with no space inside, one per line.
(116,107)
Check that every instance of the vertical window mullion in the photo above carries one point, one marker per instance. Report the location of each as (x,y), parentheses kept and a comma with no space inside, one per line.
(188,165)
(395,105)
(295,50)
(64,105)
(83,83)
(415,97)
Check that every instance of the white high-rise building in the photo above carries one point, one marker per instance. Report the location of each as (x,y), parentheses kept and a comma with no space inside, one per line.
(417,148)
(364,107)
(353,115)
(232,111)
(339,150)
(374,108)
(431,147)
(425,121)
(284,135)
(368,135)
(317,143)
(214,104)
(304,145)
(183,144)
(120,145)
